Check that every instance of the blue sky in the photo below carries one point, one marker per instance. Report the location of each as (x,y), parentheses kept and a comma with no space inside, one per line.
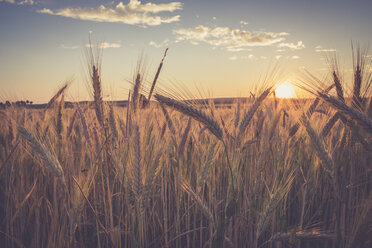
(219,46)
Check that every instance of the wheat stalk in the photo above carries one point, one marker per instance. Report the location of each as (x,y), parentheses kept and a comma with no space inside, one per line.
(72,122)
(319,146)
(237,115)
(329,125)
(97,91)
(136,89)
(59,122)
(150,177)
(84,124)
(193,112)
(157,75)
(136,167)
(181,146)
(309,112)
(48,158)
(112,122)
(266,214)
(358,65)
(339,90)
(249,115)
(353,113)
(168,119)
(55,97)
(207,212)
(303,235)
(206,166)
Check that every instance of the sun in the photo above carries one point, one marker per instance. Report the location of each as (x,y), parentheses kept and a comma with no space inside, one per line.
(285,90)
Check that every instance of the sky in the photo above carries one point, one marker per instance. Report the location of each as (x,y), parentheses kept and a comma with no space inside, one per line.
(216,48)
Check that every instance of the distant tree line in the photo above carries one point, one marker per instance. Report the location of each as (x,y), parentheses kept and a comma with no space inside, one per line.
(17,103)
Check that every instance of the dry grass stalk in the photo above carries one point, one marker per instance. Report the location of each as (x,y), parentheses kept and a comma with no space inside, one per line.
(193,112)
(48,158)
(249,115)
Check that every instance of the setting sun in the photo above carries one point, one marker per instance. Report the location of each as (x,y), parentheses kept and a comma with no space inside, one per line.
(285,90)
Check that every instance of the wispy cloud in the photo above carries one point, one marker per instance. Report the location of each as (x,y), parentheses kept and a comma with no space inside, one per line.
(228,38)
(292,46)
(233,57)
(109,45)
(8,1)
(68,47)
(237,49)
(104,45)
(26,2)
(243,23)
(250,56)
(320,49)
(23,2)
(134,13)
(158,45)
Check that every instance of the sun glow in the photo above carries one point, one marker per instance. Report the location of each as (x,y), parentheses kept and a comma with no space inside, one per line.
(285,90)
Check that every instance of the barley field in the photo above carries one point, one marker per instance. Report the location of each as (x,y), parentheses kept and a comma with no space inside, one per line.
(165,172)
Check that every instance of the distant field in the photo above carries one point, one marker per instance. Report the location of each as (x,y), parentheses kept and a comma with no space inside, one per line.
(148,179)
